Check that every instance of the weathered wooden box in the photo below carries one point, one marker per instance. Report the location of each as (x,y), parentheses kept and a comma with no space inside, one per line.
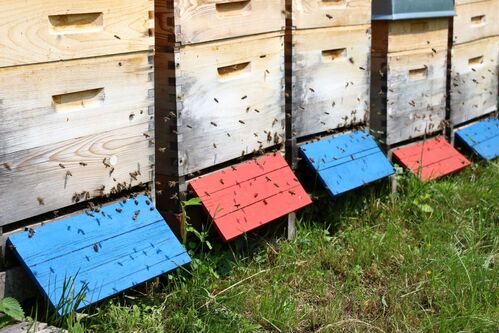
(409,77)
(218,101)
(475,20)
(474,79)
(189,22)
(52,30)
(307,14)
(73,130)
(330,78)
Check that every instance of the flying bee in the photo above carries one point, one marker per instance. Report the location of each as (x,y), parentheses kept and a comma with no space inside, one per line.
(136,215)
(214,124)
(242,122)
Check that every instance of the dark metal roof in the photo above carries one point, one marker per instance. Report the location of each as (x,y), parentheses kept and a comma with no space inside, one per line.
(411,9)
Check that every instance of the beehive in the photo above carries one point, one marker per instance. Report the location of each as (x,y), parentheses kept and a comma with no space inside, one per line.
(409,77)
(71,129)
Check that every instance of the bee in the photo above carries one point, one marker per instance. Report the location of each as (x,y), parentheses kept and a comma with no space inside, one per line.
(69,174)
(104,161)
(146,135)
(257,111)
(216,100)
(222,181)
(117,37)
(7,166)
(352,61)
(362,68)
(119,210)
(41,201)
(292,193)
(244,97)
(89,213)
(131,116)
(329,16)
(214,124)
(248,109)
(96,247)
(214,146)
(136,215)
(312,90)
(265,202)
(83,164)
(434,51)
(31,232)
(111,171)
(133,175)
(242,122)
(62,166)
(189,126)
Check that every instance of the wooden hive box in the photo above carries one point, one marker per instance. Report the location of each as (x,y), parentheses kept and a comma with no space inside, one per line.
(307,14)
(474,80)
(189,22)
(70,132)
(329,79)
(409,77)
(475,19)
(52,30)
(218,101)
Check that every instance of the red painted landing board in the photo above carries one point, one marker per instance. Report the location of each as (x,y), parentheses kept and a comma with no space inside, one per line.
(248,195)
(431,159)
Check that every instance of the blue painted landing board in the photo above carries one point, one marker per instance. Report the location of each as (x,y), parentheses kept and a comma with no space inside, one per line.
(347,161)
(482,138)
(99,253)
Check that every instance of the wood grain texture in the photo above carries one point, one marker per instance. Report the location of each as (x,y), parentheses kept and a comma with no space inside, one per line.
(474,79)
(407,35)
(52,30)
(431,159)
(189,22)
(54,173)
(249,195)
(330,78)
(416,94)
(45,104)
(482,138)
(476,20)
(100,253)
(347,161)
(307,14)
(229,101)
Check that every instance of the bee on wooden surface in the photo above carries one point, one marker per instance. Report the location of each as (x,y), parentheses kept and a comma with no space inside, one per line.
(213,123)
(352,61)
(136,215)
(133,175)
(7,166)
(83,164)
(89,213)
(189,126)
(312,90)
(244,97)
(216,100)
(242,122)
(69,174)
(214,146)
(96,247)
(41,201)
(119,210)
(257,111)
(329,16)
(131,116)
(146,135)
(62,166)
(106,164)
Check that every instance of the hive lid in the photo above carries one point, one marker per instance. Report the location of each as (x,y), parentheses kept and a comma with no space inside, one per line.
(394,10)
(482,138)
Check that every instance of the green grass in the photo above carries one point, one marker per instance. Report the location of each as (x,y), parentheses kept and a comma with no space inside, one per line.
(425,260)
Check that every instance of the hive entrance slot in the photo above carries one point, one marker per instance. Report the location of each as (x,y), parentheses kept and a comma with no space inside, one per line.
(476,61)
(76,23)
(79,100)
(333,3)
(233,71)
(478,20)
(233,8)
(418,73)
(334,55)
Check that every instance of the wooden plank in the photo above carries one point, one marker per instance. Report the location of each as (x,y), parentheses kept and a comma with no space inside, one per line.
(476,20)
(482,138)
(229,101)
(249,195)
(416,94)
(189,22)
(53,30)
(308,14)
(100,253)
(46,178)
(431,159)
(49,103)
(31,327)
(474,80)
(330,78)
(408,35)
(347,161)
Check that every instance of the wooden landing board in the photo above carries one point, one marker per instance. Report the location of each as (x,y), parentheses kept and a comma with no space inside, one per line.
(248,195)
(347,161)
(431,159)
(99,253)
(482,138)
